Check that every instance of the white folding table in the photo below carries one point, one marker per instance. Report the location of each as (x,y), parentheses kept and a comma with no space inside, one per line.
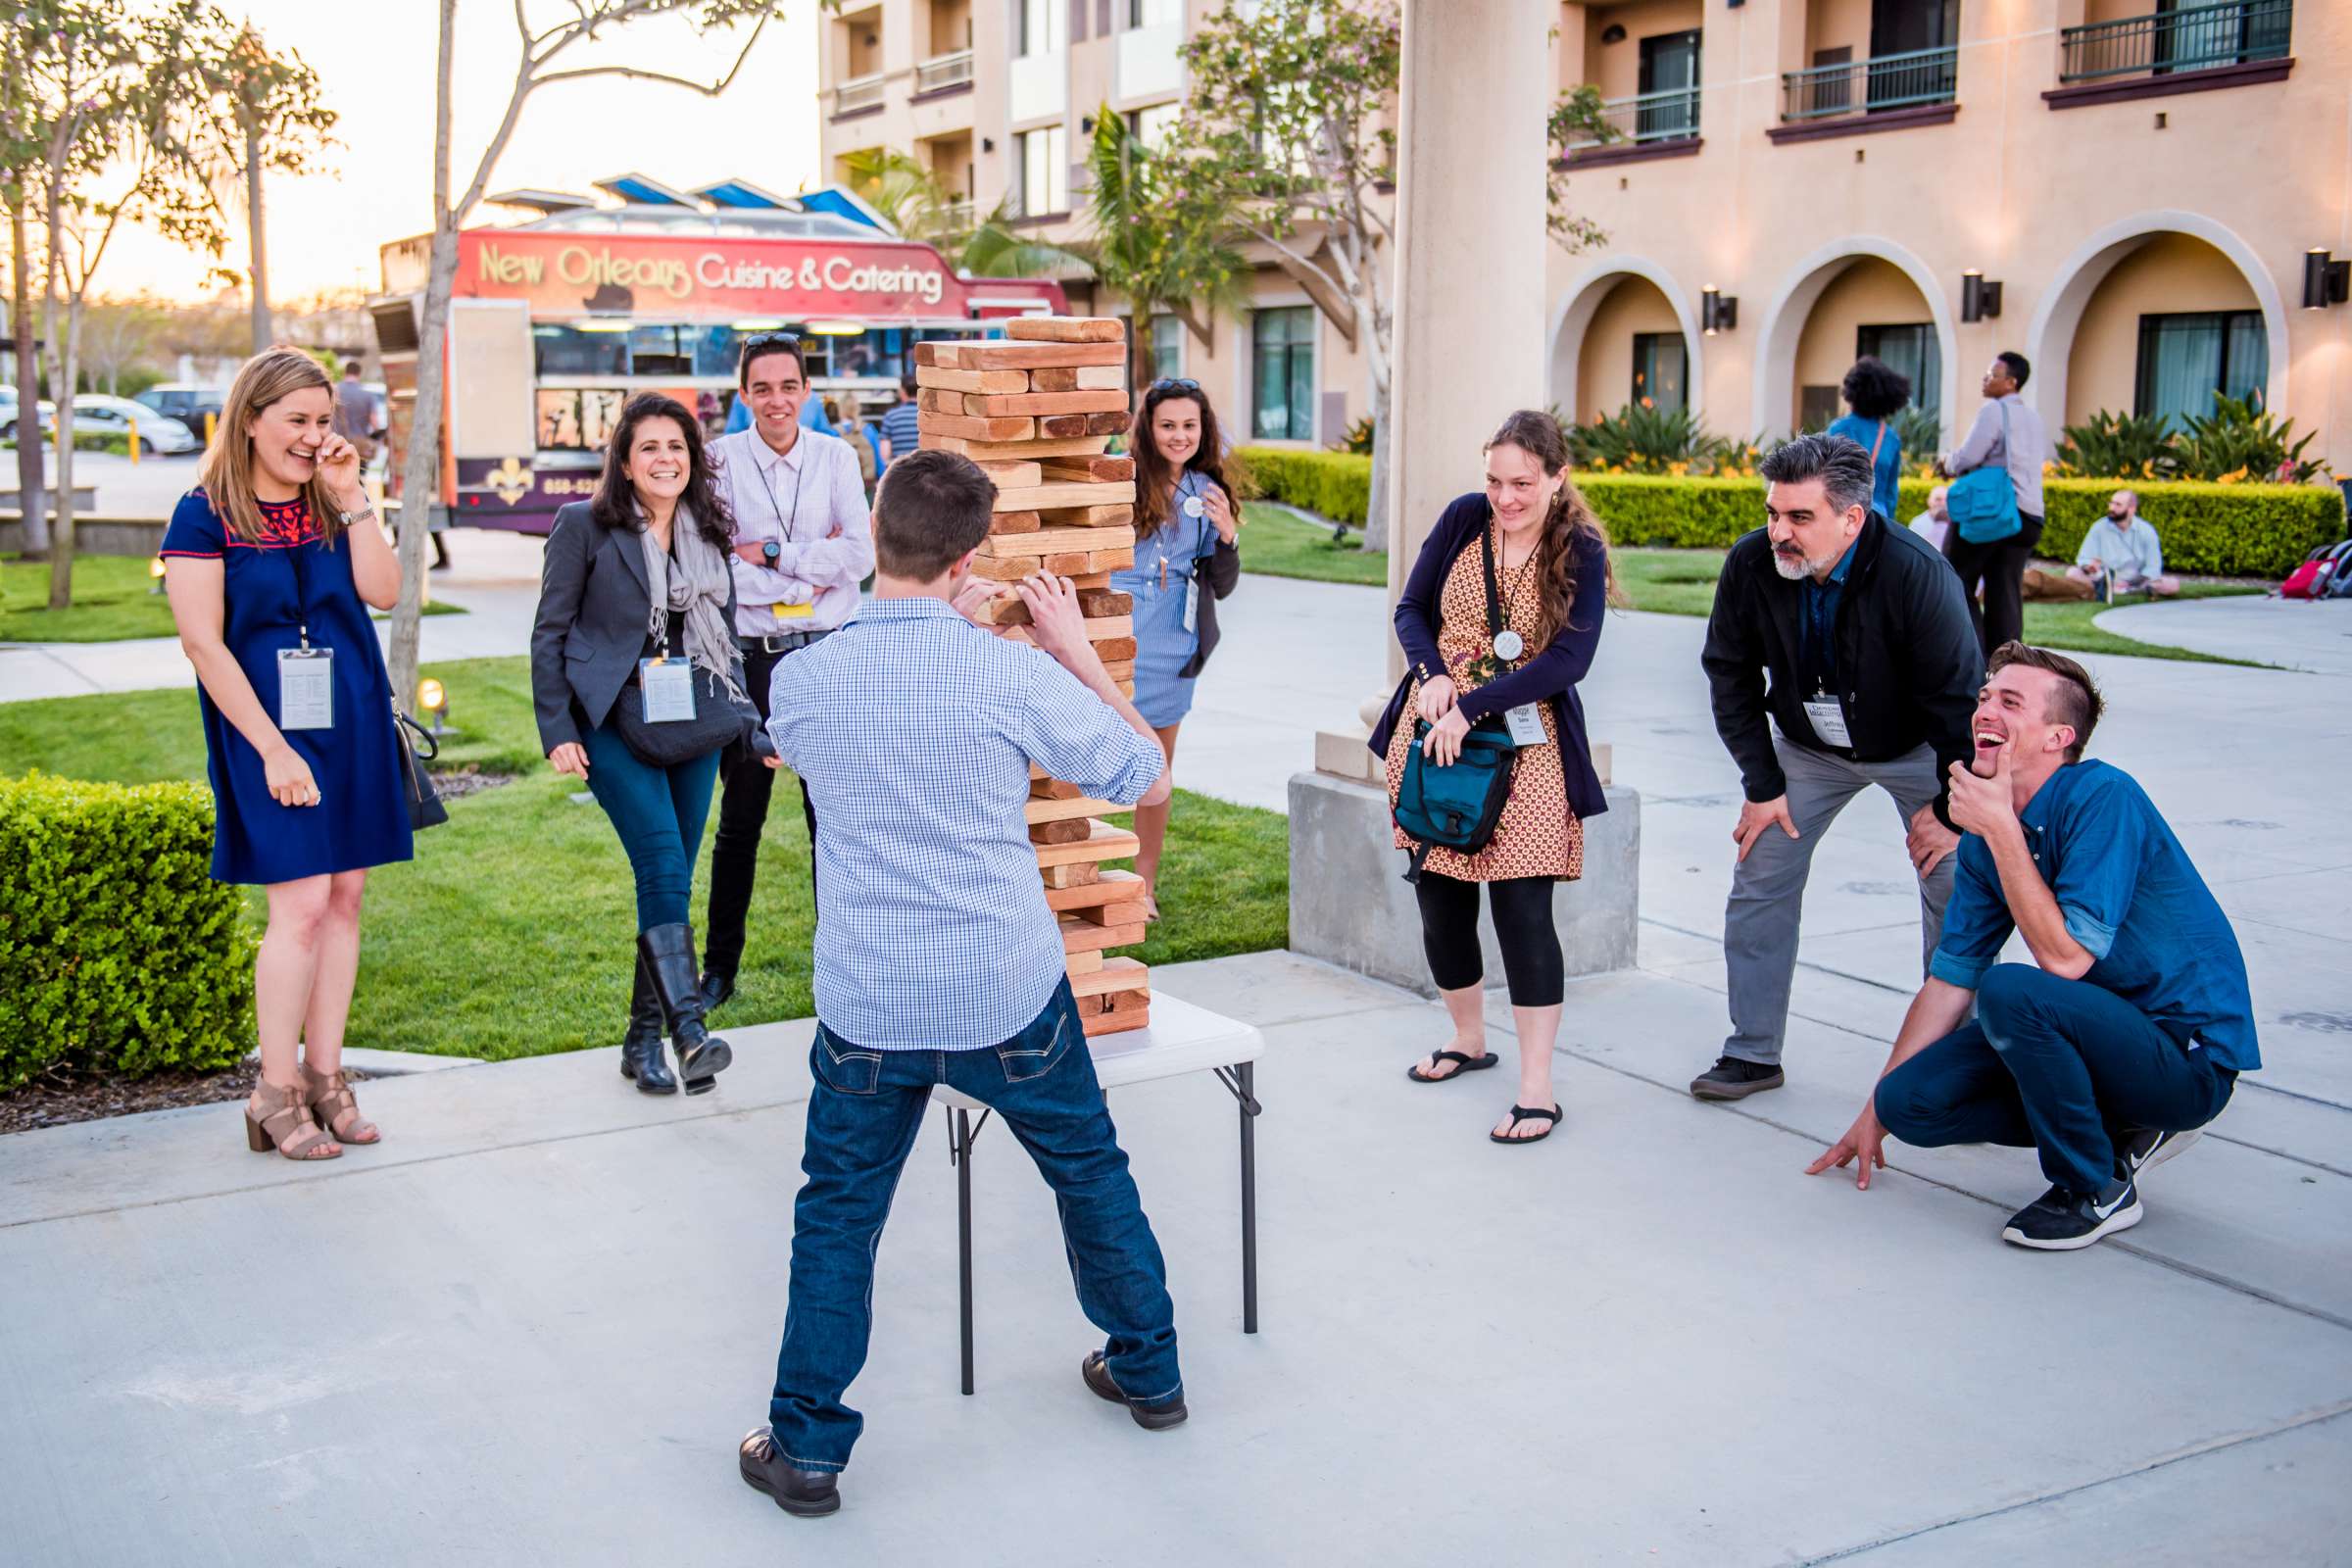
(1180,1039)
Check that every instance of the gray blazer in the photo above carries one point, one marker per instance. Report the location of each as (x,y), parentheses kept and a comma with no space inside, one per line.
(594,607)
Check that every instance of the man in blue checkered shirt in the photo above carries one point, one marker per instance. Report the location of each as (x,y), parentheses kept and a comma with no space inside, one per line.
(938,960)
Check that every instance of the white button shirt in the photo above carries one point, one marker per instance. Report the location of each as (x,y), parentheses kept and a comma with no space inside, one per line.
(812,500)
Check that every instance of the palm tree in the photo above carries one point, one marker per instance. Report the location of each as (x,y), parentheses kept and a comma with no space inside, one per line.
(1157,236)
(911,200)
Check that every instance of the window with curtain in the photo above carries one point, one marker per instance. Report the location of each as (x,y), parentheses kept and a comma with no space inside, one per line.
(1039,31)
(1151,125)
(2185,358)
(1045,166)
(1167,346)
(1659,371)
(1911,351)
(1153,13)
(1281,380)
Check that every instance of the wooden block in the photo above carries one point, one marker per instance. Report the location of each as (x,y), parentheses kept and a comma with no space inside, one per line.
(933,400)
(1124,1002)
(1077,963)
(986,403)
(1086,517)
(1124,910)
(1108,424)
(1101,377)
(1088,579)
(1110,887)
(1066,329)
(1114,1023)
(1059,540)
(1118,669)
(1016,475)
(1114,648)
(971,381)
(1015,523)
(1116,974)
(1126,689)
(1108,559)
(1058,379)
(1102,843)
(1105,601)
(1108,628)
(971,430)
(1015,451)
(1052,789)
(1069,830)
(1037,812)
(1081,874)
(1079,936)
(1011,568)
(1031,356)
(1091,469)
(1003,611)
(1046,497)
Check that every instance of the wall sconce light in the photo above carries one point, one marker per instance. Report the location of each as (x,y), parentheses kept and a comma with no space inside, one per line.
(1086,125)
(1614,32)
(2325,281)
(1980,300)
(988,144)
(1717,313)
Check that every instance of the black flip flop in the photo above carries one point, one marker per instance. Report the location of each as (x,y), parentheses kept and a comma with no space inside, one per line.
(1468,1065)
(1520,1113)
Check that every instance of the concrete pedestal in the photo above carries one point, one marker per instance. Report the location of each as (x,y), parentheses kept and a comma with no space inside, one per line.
(1350,905)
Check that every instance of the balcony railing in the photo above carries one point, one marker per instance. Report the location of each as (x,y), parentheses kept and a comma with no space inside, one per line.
(858,92)
(955,216)
(2234,33)
(944,71)
(1883,82)
(1669,115)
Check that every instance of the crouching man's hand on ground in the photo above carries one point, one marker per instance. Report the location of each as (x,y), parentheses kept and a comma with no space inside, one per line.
(1865,1141)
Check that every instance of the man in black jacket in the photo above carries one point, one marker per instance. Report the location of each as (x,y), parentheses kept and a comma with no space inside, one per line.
(1874,669)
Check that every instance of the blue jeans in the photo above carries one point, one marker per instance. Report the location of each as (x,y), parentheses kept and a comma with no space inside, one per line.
(2060,1066)
(862,1119)
(658,814)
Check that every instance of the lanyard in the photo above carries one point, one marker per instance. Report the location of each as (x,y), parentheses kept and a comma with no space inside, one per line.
(1495,602)
(769,485)
(302,608)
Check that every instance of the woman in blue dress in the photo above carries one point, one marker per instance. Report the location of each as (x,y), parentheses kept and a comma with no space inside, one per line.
(1185,562)
(271,564)
(1875,392)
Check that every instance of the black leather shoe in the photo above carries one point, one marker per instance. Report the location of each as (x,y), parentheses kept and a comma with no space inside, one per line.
(641,1053)
(718,986)
(669,953)
(807,1493)
(1734,1079)
(1151,1417)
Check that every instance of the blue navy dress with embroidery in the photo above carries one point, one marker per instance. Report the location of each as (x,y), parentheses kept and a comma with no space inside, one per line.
(362,817)
(1158,582)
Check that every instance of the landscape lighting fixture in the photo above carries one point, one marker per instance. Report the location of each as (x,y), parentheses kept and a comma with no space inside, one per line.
(1716,311)
(2325,281)
(433,698)
(1980,301)
(155,570)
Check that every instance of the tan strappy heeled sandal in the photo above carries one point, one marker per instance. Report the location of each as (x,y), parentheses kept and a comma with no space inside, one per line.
(331,1099)
(285,1127)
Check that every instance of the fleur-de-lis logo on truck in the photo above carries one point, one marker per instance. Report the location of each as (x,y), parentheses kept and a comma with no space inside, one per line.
(511,480)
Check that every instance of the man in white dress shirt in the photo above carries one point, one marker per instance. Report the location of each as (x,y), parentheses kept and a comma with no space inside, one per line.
(804,541)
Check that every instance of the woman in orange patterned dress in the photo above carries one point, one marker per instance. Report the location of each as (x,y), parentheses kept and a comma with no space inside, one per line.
(1553,580)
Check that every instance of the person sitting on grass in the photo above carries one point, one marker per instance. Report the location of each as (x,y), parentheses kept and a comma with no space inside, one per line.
(2125,1035)
(2122,555)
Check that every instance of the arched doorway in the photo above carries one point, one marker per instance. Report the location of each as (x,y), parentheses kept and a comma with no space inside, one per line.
(1859,296)
(1624,332)
(2153,316)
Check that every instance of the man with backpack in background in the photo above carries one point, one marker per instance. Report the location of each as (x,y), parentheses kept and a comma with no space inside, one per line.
(1859,628)
(2008,437)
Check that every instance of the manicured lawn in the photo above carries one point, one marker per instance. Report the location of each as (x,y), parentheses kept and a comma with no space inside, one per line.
(509,934)
(1280,543)
(113,600)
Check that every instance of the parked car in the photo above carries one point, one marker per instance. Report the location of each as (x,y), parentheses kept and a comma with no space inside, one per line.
(189,402)
(8,413)
(95,412)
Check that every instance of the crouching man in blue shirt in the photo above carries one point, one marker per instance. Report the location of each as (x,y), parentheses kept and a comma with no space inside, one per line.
(2124,1034)
(937,959)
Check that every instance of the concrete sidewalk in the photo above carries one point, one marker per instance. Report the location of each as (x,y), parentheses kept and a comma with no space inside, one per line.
(530,1327)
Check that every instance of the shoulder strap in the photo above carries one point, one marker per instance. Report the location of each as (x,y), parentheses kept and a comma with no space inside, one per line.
(1485,562)
(1880,442)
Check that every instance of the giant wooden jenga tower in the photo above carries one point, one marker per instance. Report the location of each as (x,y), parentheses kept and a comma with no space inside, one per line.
(1036,413)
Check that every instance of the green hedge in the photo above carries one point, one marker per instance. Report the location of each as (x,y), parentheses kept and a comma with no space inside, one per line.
(118,952)
(1331,484)
(2222,530)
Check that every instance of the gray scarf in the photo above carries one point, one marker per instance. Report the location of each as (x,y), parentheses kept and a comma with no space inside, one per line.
(698,589)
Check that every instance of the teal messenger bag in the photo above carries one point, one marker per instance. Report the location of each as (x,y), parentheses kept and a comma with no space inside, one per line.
(1982,503)
(1455,806)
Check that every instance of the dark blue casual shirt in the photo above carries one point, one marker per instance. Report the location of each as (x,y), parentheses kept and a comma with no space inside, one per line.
(2155,934)
(1822,598)
(899,429)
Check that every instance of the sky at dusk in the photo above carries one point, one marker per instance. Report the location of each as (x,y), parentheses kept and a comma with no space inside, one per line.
(375,65)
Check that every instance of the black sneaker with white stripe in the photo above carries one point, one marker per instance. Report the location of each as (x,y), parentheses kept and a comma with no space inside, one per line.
(2147,1148)
(2063,1221)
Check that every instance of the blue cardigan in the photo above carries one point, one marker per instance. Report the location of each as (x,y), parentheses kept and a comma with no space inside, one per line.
(1552,675)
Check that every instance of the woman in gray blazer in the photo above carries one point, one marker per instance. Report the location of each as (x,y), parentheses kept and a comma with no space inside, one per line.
(638,573)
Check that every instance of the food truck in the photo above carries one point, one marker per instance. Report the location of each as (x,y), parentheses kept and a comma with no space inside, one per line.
(556,321)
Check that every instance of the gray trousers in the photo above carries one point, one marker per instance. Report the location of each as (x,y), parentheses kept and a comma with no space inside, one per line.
(1768,888)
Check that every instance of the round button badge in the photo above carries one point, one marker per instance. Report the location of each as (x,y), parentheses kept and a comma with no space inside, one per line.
(1509,643)
(1193,506)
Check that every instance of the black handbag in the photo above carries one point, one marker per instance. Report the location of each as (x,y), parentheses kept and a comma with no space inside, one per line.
(719,720)
(425,802)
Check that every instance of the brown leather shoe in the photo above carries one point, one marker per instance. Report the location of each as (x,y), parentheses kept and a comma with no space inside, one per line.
(1151,1417)
(804,1493)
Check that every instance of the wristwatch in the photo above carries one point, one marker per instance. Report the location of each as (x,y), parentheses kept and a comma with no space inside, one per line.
(769,549)
(352,520)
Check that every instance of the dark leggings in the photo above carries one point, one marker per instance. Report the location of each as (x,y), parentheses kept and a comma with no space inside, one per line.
(1530,942)
(2001,567)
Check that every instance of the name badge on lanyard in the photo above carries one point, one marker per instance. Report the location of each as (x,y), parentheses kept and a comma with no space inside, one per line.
(306,688)
(1191,602)
(1828,718)
(667,688)
(1527,725)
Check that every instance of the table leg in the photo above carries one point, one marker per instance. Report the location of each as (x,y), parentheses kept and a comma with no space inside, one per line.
(963,1233)
(1246,1072)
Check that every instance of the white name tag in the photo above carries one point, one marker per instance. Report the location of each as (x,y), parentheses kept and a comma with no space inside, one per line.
(1192,603)
(1527,725)
(306,688)
(668,685)
(1828,720)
